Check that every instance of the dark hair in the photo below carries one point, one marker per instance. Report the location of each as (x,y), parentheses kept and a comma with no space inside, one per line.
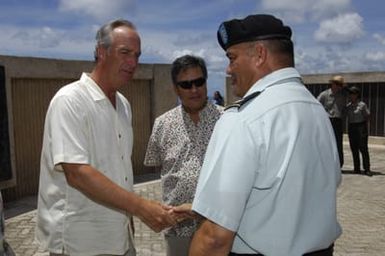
(218,98)
(354,90)
(218,94)
(283,48)
(187,61)
(103,35)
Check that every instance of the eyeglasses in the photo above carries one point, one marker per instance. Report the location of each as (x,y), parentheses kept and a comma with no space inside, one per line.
(188,84)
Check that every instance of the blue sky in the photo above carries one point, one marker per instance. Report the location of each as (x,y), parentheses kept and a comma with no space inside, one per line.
(330,36)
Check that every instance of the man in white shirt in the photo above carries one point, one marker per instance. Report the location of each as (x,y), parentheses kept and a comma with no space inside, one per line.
(270,175)
(85,202)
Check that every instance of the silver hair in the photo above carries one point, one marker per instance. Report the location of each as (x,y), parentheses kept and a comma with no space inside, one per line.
(103,35)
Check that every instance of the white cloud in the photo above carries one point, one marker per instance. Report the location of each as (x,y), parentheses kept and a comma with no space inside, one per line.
(379,38)
(328,8)
(342,29)
(332,59)
(45,37)
(303,10)
(375,56)
(46,42)
(179,53)
(99,9)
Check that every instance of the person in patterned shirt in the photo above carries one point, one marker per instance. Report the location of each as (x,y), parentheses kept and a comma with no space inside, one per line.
(178,144)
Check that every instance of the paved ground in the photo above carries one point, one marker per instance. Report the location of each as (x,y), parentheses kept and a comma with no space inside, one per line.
(361,211)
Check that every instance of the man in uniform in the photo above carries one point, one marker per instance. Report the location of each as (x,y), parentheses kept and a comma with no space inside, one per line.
(334,101)
(270,175)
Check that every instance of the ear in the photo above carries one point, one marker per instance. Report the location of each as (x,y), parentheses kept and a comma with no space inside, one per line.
(261,54)
(176,90)
(101,53)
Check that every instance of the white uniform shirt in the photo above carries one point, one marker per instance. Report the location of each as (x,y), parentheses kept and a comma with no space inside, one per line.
(83,127)
(271,171)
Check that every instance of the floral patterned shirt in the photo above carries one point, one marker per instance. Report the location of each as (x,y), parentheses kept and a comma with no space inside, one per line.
(178,145)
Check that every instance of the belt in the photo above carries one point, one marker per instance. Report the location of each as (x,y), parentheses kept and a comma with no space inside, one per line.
(324,252)
(244,254)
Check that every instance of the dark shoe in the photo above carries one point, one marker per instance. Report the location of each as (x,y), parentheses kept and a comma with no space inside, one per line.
(369,173)
(357,171)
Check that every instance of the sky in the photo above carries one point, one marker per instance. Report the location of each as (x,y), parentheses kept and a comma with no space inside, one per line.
(329,36)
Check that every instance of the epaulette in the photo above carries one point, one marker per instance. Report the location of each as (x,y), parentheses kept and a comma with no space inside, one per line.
(239,103)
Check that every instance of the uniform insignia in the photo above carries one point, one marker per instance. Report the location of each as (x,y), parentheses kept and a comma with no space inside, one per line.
(239,103)
(223,34)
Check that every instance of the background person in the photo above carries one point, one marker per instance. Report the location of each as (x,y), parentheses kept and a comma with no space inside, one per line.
(334,101)
(358,119)
(270,175)
(85,200)
(178,143)
(218,99)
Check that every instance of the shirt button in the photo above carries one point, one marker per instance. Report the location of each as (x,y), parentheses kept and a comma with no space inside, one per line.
(122,157)
(120,135)
(125,178)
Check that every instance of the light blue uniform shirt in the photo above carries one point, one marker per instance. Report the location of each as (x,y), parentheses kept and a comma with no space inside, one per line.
(271,171)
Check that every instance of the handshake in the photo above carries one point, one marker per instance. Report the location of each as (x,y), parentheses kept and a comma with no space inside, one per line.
(158,216)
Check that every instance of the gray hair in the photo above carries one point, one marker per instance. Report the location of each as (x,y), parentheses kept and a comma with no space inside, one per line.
(103,35)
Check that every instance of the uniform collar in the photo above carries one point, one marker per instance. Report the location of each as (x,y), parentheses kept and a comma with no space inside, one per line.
(273,78)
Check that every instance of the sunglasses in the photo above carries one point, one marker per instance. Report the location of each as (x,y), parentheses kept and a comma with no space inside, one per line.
(188,84)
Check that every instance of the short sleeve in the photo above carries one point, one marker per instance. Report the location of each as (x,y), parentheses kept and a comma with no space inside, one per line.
(320,98)
(67,131)
(228,173)
(153,153)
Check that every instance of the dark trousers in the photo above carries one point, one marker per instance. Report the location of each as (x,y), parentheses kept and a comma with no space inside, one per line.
(338,127)
(358,139)
(325,252)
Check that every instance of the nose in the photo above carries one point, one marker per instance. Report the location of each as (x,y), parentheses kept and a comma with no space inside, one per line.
(132,61)
(194,88)
(228,70)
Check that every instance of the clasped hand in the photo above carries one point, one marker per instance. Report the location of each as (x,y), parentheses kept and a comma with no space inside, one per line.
(158,216)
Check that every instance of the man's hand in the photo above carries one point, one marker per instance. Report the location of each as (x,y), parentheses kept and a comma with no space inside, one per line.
(183,212)
(101,189)
(155,215)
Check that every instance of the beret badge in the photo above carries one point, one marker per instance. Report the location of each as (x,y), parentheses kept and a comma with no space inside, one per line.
(223,34)
(252,28)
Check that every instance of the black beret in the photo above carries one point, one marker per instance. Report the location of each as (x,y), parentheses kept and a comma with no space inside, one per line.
(252,28)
